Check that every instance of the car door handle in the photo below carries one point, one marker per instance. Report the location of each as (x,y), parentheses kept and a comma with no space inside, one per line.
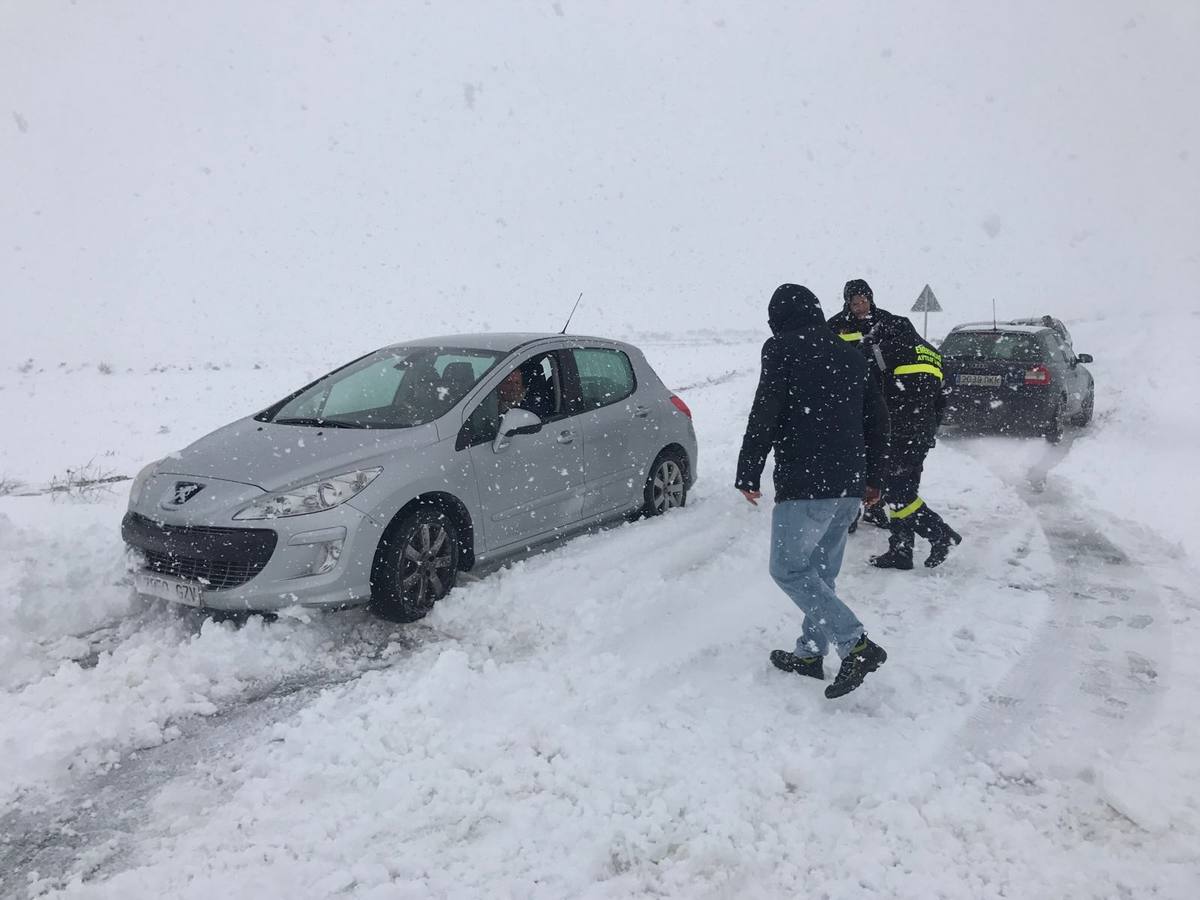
(566,437)
(640,412)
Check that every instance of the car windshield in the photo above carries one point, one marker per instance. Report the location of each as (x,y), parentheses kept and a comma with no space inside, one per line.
(399,387)
(1003,345)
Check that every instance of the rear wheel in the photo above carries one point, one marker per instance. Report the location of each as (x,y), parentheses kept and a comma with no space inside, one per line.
(666,485)
(1085,411)
(416,565)
(1057,424)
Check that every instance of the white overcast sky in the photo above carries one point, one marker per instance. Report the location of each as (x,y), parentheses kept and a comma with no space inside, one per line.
(211,177)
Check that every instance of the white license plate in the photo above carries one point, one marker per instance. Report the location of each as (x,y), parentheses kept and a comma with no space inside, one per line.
(979,380)
(168,588)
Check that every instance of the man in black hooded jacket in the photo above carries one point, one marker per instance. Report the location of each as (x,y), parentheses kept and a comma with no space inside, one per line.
(818,407)
(910,371)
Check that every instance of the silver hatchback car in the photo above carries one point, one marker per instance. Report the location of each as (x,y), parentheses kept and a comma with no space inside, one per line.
(384,479)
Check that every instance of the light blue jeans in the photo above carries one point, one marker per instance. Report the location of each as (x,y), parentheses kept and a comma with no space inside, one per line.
(808,538)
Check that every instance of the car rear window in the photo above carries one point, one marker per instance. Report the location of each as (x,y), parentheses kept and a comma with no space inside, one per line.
(1003,345)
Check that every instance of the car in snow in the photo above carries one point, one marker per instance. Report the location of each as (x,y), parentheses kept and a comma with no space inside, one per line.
(1018,376)
(382,480)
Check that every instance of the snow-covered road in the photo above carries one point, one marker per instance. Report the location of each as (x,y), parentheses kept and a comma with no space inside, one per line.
(601,721)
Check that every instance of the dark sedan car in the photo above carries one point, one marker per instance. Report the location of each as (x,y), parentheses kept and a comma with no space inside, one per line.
(1016,377)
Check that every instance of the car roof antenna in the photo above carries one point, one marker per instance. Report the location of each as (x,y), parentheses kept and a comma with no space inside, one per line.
(995,327)
(572,315)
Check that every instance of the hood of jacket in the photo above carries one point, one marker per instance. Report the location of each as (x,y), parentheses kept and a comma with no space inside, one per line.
(794,307)
(854,287)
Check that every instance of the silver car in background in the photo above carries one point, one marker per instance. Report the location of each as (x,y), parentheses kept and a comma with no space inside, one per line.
(385,478)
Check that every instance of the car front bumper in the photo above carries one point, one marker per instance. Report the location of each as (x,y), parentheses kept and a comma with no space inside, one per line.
(318,560)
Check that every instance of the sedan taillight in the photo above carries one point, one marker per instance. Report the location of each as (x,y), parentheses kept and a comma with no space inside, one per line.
(1037,375)
(681,406)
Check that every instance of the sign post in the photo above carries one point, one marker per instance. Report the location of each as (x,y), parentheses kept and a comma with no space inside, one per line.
(926,303)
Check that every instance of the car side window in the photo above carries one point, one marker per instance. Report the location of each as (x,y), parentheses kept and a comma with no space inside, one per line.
(605,376)
(535,385)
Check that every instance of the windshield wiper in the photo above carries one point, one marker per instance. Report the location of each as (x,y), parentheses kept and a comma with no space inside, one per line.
(319,423)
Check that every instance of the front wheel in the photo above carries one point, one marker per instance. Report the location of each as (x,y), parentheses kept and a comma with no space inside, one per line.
(666,485)
(416,565)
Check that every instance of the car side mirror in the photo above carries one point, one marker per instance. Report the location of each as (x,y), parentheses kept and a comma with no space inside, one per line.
(514,422)
(1083,357)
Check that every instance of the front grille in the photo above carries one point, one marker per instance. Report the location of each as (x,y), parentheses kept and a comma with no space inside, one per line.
(213,574)
(217,558)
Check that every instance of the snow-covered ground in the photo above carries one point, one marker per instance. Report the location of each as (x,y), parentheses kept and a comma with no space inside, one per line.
(601,720)
(205,205)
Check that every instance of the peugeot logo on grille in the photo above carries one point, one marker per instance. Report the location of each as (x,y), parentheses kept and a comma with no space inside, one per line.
(185,491)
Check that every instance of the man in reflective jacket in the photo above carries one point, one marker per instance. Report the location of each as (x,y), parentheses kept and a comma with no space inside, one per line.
(860,315)
(910,370)
(858,318)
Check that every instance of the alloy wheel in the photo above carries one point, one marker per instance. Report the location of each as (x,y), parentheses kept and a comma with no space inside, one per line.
(426,564)
(667,490)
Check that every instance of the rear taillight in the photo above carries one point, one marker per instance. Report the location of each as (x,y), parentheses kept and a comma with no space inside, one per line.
(1037,375)
(681,406)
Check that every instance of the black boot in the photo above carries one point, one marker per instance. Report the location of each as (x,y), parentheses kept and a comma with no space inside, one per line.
(893,559)
(865,658)
(900,546)
(812,666)
(929,525)
(940,549)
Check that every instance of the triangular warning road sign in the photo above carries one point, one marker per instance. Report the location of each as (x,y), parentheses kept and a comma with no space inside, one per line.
(927,302)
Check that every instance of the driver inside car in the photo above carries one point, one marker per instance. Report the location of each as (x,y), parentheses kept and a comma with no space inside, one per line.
(531,387)
(510,393)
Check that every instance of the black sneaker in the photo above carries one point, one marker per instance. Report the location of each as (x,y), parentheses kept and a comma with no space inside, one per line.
(859,662)
(812,666)
(893,559)
(939,550)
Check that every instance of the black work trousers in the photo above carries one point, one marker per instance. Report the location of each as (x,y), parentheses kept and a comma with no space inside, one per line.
(908,514)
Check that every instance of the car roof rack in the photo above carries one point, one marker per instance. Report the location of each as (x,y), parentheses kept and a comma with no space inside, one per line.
(1032,325)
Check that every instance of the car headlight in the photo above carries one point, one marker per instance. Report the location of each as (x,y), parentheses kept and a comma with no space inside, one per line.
(139,483)
(310,498)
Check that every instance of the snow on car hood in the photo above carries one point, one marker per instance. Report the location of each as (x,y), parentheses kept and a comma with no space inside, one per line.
(271,456)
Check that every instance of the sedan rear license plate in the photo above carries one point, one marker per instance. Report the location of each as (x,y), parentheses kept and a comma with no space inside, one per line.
(979,380)
(168,588)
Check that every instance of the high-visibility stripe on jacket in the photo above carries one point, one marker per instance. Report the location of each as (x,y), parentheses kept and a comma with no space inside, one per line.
(918,367)
(929,362)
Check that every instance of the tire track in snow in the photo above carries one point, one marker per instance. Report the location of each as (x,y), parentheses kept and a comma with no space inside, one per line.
(1092,675)
(86,831)
(715,380)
